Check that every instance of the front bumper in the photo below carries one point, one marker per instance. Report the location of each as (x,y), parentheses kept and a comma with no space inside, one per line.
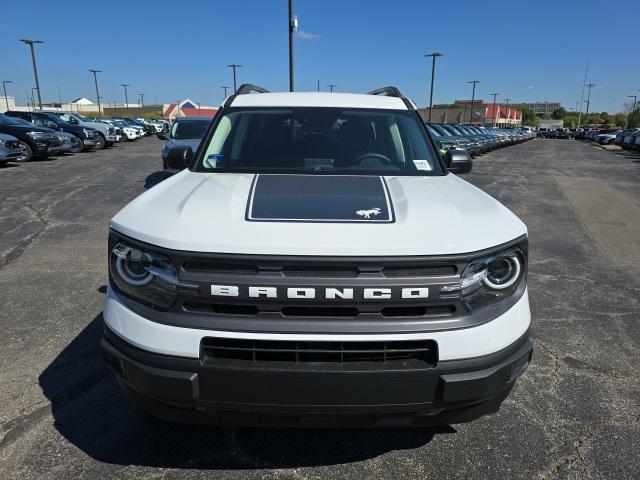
(233,393)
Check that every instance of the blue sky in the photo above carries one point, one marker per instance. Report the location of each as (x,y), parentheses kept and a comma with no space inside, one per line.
(527,51)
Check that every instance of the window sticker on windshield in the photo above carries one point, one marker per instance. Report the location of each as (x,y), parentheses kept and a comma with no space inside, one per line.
(422,164)
(212,160)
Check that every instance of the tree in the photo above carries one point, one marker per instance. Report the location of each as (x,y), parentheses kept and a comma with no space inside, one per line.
(529,118)
(619,119)
(558,113)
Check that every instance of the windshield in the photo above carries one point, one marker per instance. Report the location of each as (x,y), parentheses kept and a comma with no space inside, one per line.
(320,140)
(189,129)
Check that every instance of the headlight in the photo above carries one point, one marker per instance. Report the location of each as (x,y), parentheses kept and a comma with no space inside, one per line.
(489,280)
(146,276)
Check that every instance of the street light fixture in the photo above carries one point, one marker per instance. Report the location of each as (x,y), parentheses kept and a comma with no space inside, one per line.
(4,87)
(495,115)
(234,66)
(95,79)
(126,97)
(473,98)
(331,86)
(31,43)
(433,72)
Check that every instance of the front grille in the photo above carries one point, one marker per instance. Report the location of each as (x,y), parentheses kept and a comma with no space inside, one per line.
(318,311)
(319,271)
(222,349)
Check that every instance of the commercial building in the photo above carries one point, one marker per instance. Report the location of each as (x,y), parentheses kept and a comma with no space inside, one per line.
(187,108)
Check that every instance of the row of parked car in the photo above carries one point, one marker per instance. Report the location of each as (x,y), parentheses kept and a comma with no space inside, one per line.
(42,133)
(628,139)
(476,140)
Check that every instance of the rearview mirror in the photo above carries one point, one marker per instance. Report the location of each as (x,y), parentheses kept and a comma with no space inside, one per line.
(458,161)
(179,158)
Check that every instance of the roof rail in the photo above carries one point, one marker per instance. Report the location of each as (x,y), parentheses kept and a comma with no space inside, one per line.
(246,88)
(393,92)
(388,91)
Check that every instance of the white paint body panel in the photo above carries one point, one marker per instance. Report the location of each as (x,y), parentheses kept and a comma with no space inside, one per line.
(205,212)
(185,342)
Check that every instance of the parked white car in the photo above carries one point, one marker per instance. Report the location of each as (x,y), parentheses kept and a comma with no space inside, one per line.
(317,262)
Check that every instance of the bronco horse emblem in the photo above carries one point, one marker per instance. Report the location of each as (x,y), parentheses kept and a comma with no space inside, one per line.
(368,213)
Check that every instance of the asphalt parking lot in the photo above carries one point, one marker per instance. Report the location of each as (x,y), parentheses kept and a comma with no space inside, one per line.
(574,414)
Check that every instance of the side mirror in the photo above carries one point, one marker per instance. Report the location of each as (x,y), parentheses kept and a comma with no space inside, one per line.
(179,158)
(458,161)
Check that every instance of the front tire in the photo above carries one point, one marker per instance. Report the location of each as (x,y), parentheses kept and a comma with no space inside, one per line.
(102,144)
(27,153)
(79,148)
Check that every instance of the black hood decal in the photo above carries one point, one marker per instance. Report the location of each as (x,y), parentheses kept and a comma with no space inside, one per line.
(319,198)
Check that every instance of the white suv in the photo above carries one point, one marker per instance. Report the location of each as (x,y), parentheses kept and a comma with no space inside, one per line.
(317,263)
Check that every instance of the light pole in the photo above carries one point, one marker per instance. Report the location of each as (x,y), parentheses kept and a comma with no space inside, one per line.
(586,113)
(126,97)
(95,79)
(29,42)
(495,115)
(331,87)
(433,73)
(473,98)
(234,66)
(4,87)
(293,26)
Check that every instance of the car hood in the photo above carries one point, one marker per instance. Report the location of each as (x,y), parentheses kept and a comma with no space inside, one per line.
(208,212)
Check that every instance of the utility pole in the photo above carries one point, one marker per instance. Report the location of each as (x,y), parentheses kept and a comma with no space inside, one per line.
(433,73)
(495,114)
(473,98)
(508,112)
(332,86)
(586,114)
(293,26)
(35,69)
(234,66)
(4,87)
(126,97)
(95,79)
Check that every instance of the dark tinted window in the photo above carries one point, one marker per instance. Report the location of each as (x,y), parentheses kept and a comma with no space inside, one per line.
(320,140)
(189,129)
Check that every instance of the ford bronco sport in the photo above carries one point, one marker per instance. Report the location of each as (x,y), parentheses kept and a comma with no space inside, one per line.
(317,263)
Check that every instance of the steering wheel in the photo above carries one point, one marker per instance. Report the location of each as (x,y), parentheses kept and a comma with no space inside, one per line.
(383,159)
